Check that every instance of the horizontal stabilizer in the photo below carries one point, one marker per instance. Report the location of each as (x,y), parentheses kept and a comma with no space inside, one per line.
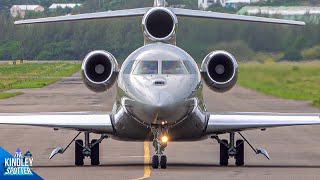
(99,15)
(177,11)
(225,16)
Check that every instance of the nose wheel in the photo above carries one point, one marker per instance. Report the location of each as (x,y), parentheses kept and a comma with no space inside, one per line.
(156,162)
(163,162)
(159,143)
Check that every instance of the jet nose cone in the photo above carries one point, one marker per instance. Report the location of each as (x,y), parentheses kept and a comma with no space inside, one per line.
(162,99)
(167,108)
(159,107)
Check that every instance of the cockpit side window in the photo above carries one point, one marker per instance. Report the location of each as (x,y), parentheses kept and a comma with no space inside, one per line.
(189,67)
(128,68)
(146,67)
(173,67)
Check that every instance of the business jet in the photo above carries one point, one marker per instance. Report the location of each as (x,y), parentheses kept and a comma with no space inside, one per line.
(159,92)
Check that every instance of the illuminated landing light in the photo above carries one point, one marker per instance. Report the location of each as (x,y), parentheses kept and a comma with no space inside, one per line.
(164,139)
(164,122)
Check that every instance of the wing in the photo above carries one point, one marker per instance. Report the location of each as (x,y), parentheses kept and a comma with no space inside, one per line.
(99,15)
(226,122)
(80,121)
(225,16)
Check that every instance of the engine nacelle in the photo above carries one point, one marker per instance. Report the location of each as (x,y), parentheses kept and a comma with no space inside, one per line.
(159,25)
(219,70)
(99,70)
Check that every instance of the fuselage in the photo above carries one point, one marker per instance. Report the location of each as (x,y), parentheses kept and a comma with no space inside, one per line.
(165,94)
(159,84)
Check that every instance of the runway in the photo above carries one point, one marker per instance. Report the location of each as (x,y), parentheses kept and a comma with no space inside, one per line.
(294,151)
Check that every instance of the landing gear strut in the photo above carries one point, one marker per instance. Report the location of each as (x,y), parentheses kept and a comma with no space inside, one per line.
(159,143)
(83,150)
(231,149)
(88,149)
(235,149)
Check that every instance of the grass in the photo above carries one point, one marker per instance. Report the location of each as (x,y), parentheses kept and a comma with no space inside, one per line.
(286,80)
(316,102)
(49,69)
(4,95)
(22,83)
(33,75)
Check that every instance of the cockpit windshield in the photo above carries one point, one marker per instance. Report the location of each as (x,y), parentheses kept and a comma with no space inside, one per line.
(146,67)
(173,67)
(152,66)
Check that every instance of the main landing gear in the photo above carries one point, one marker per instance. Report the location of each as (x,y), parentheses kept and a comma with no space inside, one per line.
(159,143)
(88,149)
(83,149)
(235,149)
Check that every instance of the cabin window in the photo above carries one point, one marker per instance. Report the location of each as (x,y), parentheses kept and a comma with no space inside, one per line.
(146,67)
(173,67)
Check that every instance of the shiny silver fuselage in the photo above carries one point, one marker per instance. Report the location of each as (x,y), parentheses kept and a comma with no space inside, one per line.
(148,99)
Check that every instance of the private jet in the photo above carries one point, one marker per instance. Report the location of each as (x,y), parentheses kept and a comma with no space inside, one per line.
(159,92)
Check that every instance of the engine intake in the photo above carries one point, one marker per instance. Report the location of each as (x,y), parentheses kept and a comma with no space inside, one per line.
(99,70)
(159,24)
(219,70)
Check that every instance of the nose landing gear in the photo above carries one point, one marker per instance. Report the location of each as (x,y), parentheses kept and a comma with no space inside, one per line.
(159,143)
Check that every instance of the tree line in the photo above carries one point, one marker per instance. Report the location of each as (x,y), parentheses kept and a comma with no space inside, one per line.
(73,40)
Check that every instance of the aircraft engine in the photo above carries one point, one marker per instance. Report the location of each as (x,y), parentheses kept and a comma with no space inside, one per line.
(159,24)
(99,70)
(219,70)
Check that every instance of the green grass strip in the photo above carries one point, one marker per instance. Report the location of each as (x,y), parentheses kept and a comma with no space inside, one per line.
(286,80)
(56,69)
(5,95)
(22,83)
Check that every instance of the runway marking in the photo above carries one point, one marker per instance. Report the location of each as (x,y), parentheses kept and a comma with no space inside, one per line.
(147,155)
(147,169)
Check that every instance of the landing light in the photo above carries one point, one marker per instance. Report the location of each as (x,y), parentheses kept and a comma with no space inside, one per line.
(164,139)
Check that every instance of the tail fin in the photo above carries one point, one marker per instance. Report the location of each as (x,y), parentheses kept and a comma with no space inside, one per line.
(159,3)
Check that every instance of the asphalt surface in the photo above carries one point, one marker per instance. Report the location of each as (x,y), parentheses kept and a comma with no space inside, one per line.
(294,151)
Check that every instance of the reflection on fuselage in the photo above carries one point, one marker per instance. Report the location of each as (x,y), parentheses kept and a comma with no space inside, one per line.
(158,86)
